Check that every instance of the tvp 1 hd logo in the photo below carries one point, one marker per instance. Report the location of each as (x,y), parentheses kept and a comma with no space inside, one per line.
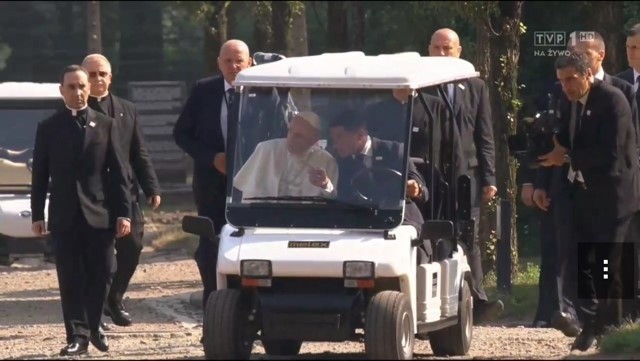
(555,43)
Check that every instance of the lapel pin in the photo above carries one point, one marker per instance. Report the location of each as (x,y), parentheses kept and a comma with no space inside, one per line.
(92,124)
(378,158)
(122,114)
(588,112)
(461,86)
(416,129)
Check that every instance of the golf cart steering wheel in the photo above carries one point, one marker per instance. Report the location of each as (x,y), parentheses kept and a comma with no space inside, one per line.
(370,172)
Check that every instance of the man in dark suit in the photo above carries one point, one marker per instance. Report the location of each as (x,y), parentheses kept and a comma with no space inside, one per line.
(555,183)
(472,112)
(354,150)
(201,131)
(597,135)
(632,75)
(380,124)
(139,170)
(77,148)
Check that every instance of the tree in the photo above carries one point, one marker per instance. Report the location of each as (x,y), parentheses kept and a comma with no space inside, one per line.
(337,26)
(141,41)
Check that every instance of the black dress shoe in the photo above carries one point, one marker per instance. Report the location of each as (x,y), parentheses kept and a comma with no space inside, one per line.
(584,341)
(540,324)
(119,316)
(104,327)
(566,323)
(487,311)
(74,349)
(99,341)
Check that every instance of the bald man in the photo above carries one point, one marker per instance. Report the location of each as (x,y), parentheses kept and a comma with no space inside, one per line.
(470,101)
(202,132)
(139,170)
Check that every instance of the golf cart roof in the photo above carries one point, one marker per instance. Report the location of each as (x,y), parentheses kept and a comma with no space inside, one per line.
(357,70)
(27,90)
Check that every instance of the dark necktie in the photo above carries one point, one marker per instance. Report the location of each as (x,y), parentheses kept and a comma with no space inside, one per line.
(231,93)
(578,116)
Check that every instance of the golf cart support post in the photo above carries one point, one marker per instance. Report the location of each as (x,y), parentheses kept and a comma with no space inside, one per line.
(315,269)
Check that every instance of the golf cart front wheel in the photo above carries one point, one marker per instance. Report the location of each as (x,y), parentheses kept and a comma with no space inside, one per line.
(388,327)
(282,347)
(226,335)
(456,340)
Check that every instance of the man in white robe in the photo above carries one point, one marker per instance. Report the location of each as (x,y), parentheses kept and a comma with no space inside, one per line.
(293,166)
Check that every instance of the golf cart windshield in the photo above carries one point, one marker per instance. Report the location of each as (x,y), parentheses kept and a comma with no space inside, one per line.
(313,158)
(18,123)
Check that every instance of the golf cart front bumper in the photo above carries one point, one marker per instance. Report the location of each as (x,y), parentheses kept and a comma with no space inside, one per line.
(308,317)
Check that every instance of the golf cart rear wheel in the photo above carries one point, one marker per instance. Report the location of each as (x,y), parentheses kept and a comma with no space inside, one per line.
(388,327)
(282,347)
(456,340)
(226,335)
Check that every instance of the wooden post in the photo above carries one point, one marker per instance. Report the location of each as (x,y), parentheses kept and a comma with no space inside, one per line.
(94,33)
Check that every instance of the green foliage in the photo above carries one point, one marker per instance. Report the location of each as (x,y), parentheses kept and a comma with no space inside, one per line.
(522,302)
(625,340)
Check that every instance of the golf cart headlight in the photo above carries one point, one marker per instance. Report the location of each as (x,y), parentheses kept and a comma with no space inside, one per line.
(358,269)
(255,268)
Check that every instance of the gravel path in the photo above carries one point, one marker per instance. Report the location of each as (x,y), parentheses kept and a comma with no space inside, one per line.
(167,327)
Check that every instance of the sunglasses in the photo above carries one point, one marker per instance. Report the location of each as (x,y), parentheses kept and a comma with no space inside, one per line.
(94,74)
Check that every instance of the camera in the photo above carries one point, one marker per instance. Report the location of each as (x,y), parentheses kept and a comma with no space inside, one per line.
(537,138)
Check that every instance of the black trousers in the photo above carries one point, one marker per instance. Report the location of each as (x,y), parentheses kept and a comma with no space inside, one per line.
(84,262)
(128,250)
(548,289)
(631,308)
(598,237)
(206,255)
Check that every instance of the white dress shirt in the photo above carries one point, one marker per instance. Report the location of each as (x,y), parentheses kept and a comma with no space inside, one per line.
(635,80)
(272,171)
(368,153)
(600,74)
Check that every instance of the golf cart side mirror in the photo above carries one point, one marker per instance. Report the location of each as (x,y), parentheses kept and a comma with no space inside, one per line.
(201,226)
(437,229)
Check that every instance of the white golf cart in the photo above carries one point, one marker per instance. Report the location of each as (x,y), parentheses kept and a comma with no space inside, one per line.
(319,268)
(22,106)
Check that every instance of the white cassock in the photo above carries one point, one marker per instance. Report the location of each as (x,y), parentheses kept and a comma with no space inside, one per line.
(272,171)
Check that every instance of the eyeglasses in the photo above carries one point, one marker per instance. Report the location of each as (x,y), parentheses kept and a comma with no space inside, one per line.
(94,74)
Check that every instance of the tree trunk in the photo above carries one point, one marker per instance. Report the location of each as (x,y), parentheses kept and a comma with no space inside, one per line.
(505,52)
(141,41)
(262,33)
(337,26)
(609,16)
(299,47)
(359,25)
(215,34)
(94,27)
(281,21)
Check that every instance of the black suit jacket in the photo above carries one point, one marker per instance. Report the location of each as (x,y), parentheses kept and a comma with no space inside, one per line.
(472,111)
(604,150)
(548,180)
(385,154)
(133,148)
(80,170)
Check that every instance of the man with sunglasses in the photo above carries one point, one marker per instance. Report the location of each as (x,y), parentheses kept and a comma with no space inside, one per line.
(139,171)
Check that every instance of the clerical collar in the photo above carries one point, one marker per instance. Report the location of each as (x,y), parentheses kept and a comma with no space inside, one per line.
(100,98)
(75,112)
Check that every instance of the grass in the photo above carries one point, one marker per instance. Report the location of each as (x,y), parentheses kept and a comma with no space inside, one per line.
(624,340)
(521,303)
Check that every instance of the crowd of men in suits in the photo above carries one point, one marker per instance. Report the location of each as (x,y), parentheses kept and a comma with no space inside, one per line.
(589,202)
(92,156)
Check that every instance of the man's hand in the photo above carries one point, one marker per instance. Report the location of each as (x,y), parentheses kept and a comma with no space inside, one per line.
(488,192)
(526,195)
(541,200)
(555,157)
(318,177)
(39,228)
(220,162)
(413,189)
(155,201)
(123,227)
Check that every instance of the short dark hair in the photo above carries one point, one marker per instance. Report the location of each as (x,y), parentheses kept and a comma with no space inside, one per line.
(577,60)
(350,119)
(635,30)
(71,69)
